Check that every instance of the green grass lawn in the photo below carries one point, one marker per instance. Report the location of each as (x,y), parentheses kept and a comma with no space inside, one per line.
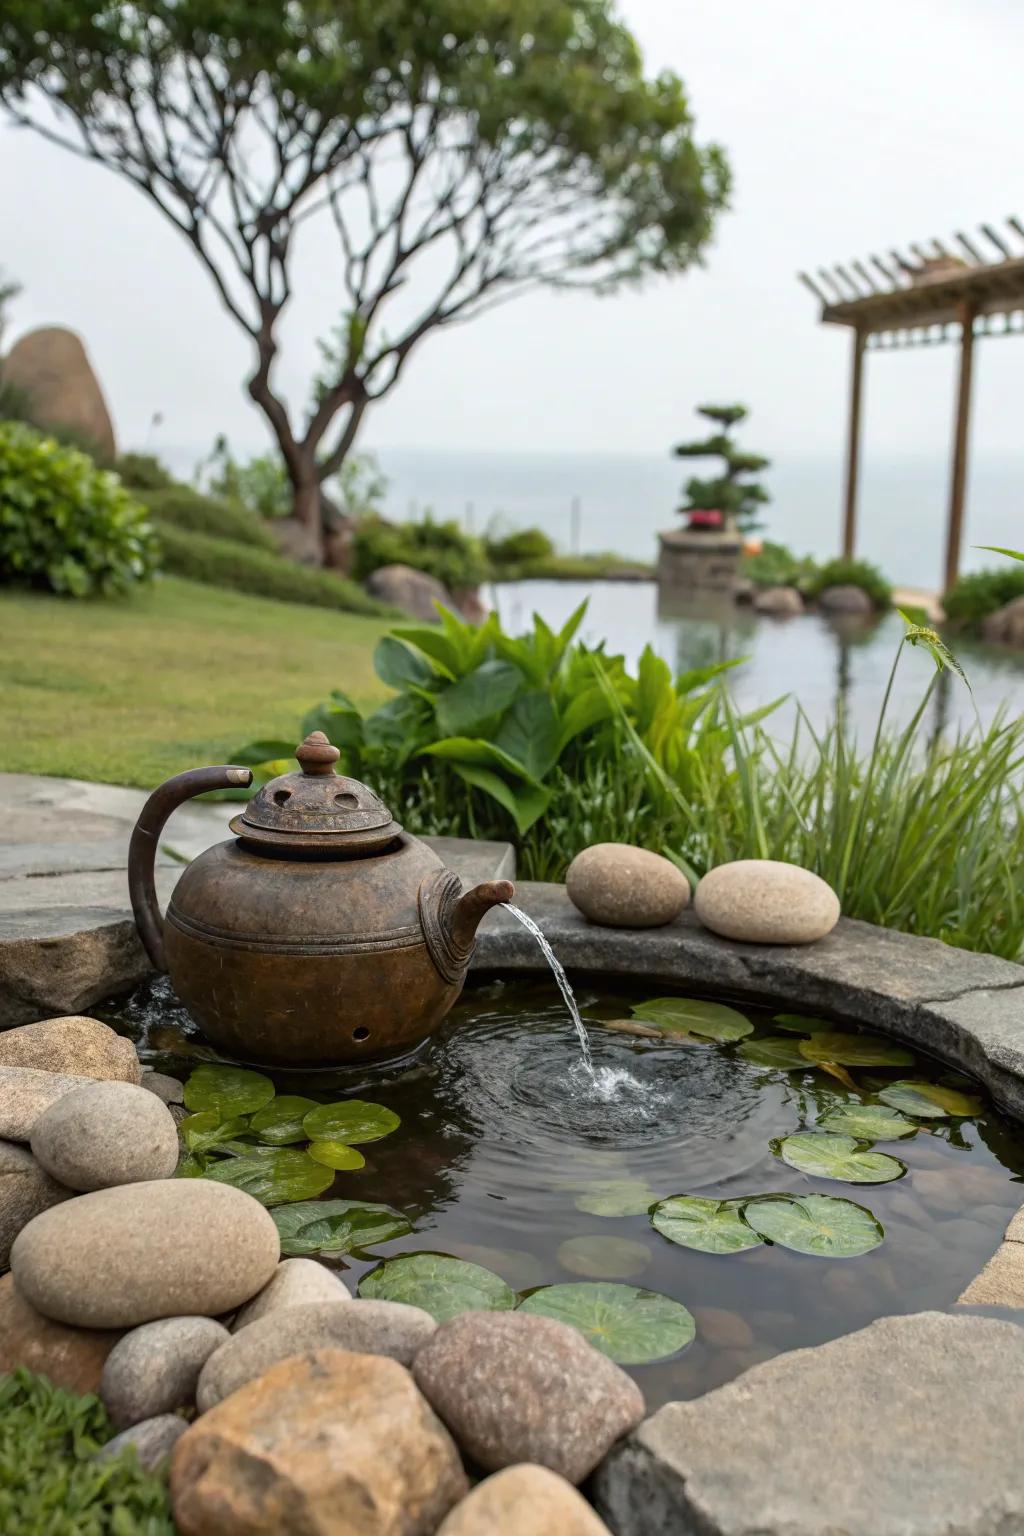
(131,690)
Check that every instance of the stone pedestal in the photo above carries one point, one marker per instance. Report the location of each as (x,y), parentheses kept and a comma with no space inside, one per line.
(699,562)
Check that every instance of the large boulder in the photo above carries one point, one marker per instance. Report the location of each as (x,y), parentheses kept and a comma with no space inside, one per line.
(69,1357)
(119,1257)
(902,1429)
(51,366)
(25,1191)
(77,1045)
(1006,625)
(104,1135)
(414,592)
(326,1443)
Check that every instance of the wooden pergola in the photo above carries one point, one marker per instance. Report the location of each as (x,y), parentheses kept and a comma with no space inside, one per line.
(933,296)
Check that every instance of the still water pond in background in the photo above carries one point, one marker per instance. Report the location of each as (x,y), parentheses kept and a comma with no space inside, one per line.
(818,661)
(499,1148)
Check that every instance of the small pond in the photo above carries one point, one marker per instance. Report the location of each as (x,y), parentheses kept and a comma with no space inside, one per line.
(506,1156)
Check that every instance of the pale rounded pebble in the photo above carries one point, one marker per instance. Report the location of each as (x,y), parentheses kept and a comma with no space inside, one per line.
(295,1283)
(170,1248)
(167,1089)
(154,1369)
(617,885)
(763,901)
(523,1501)
(104,1135)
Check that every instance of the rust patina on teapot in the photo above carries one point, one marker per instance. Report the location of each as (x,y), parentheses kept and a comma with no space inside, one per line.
(321,933)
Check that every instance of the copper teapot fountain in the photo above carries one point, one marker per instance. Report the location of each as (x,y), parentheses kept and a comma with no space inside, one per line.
(321,933)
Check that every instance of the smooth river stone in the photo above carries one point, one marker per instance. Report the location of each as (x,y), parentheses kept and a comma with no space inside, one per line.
(619,886)
(516,1388)
(25,1092)
(154,1369)
(25,1191)
(295,1283)
(152,1440)
(76,1045)
(763,901)
(367,1327)
(523,1501)
(326,1443)
(169,1248)
(104,1135)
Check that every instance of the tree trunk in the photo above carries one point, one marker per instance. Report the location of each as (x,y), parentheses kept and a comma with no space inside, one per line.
(308,510)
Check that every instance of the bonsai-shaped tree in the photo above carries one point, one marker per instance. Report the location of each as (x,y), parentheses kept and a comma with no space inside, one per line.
(736,498)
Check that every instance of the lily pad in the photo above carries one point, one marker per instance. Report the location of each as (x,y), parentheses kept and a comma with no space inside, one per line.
(602,1257)
(854,1051)
(776,1051)
(205,1129)
(335,1154)
(801,1024)
(929,1101)
(693,1016)
(274,1175)
(351,1120)
(710,1226)
(227,1090)
(336,1226)
(629,1325)
(616,1197)
(824,1226)
(824,1155)
(281,1122)
(442,1285)
(869,1122)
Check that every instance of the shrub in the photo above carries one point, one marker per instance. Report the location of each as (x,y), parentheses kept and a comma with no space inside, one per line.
(211,515)
(143,472)
(50,1482)
(517,548)
(972,598)
(442,550)
(224,563)
(852,573)
(64,523)
(775,565)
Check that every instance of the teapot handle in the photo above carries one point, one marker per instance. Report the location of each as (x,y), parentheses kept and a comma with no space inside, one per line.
(146,836)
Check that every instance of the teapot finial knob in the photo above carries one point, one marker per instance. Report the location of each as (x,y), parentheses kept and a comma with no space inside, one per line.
(316,756)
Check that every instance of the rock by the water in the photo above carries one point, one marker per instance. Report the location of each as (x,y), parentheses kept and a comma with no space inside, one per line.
(154,1369)
(523,1501)
(25,1092)
(76,1045)
(779,602)
(106,1134)
(1001,1282)
(1006,625)
(295,1283)
(414,592)
(52,367)
(763,901)
(363,1327)
(26,1189)
(324,1444)
(70,1357)
(901,1429)
(845,598)
(512,1387)
(620,886)
(170,1248)
(167,1089)
(153,1441)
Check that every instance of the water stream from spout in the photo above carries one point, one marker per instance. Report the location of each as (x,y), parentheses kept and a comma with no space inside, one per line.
(558,971)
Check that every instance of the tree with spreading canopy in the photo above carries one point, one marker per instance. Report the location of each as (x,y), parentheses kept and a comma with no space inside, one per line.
(734,495)
(466,151)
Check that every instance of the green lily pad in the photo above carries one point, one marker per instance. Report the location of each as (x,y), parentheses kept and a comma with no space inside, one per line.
(228,1091)
(274,1175)
(928,1101)
(602,1257)
(854,1051)
(801,1024)
(616,1197)
(336,1226)
(824,1155)
(281,1122)
(710,1226)
(335,1154)
(442,1285)
(350,1121)
(205,1129)
(824,1226)
(869,1122)
(776,1051)
(630,1326)
(692,1016)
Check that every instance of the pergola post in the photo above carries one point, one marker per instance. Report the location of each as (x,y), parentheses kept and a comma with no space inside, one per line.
(961,433)
(853,446)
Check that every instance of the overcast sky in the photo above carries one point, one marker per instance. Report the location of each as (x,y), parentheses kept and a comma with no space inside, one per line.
(851,128)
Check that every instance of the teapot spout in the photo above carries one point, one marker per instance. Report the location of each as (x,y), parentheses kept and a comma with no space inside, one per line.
(471,908)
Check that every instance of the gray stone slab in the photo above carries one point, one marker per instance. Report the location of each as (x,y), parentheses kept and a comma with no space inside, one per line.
(905,1428)
(964,1007)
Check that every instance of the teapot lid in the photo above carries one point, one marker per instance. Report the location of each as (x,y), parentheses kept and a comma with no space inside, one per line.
(316,810)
